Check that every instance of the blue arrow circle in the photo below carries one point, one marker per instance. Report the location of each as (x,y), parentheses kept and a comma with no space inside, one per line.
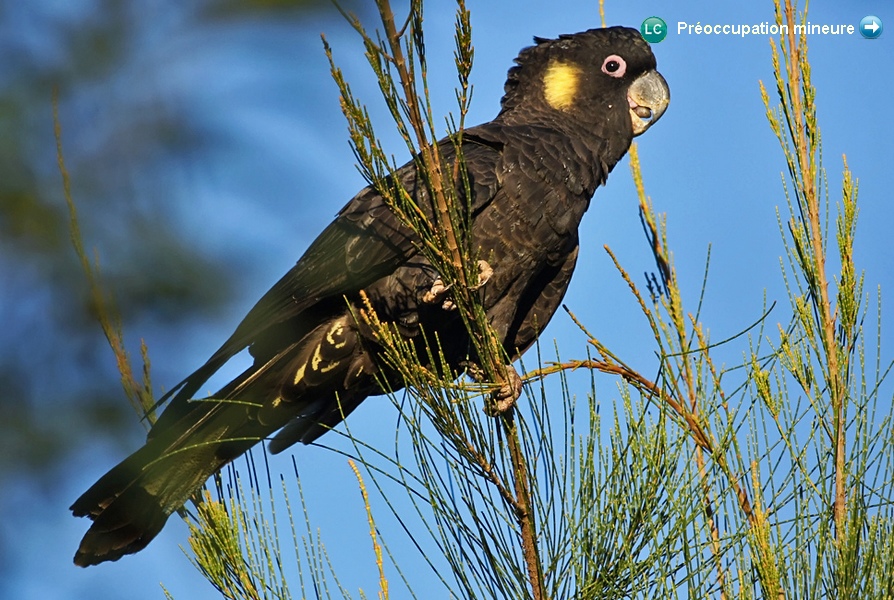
(871,27)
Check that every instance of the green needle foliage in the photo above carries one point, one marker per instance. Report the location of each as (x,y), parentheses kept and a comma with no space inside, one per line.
(770,479)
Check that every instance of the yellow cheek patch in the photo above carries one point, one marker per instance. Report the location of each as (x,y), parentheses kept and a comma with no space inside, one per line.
(560,84)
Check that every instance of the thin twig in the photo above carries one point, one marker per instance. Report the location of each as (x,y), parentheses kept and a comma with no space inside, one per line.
(523,505)
(140,396)
(805,178)
(430,153)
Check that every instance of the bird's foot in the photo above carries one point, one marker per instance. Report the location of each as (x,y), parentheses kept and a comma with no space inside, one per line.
(485,272)
(473,370)
(504,399)
(440,292)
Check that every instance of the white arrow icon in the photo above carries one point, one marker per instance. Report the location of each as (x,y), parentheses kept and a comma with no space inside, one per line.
(871,26)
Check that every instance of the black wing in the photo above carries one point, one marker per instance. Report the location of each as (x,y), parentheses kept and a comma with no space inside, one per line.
(364,243)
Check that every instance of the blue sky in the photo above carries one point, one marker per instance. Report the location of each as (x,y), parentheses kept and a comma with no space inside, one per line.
(282,167)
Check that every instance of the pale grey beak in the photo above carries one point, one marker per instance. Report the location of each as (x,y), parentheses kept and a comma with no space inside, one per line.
(648,97)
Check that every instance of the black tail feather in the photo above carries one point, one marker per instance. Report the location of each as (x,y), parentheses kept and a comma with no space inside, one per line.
(127,525)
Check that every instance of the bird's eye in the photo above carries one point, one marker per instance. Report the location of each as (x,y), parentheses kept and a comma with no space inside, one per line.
(614,66)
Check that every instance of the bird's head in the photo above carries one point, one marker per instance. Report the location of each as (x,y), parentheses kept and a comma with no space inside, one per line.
(601,81)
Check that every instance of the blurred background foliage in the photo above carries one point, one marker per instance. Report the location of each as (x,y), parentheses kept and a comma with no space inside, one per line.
(142,148)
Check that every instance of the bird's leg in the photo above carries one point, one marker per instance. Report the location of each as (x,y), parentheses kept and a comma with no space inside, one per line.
(439,291)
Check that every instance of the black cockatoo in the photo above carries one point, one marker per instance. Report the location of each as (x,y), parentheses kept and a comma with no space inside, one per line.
(571,108)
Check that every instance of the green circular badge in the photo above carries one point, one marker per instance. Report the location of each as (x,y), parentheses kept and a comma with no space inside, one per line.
(654,29)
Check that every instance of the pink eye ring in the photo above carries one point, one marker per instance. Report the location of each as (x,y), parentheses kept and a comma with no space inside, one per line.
(614,66)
